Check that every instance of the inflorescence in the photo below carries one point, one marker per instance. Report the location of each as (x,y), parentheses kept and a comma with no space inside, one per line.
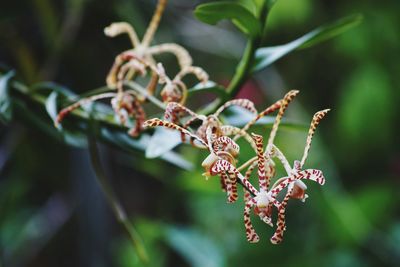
(127,99)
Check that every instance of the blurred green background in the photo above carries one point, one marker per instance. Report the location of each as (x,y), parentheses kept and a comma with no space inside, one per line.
(52,212)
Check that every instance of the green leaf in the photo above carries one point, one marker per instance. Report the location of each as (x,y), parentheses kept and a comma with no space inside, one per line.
(210,87)
(196,248)
(127,143)
(66,97)
(265,56)
(332,30)
(77,139)
(5,100)
(51,105)
(249,5)
(270,3)
(211,13)
(110,131)
(52,86)
(162,141)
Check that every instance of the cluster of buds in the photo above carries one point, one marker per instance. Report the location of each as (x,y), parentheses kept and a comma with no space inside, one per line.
(209,133)
(127,96)
(220,141)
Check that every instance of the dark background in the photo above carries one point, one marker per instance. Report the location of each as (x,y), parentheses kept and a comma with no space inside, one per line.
(52,212)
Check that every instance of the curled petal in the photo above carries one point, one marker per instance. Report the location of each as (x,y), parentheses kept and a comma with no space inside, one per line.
(281,226)
(251,234)
(223,179)
(184,58)
(314,123)
(174,92)
(140,116)
(157,123)
(231,188)
(283,106)
(309,174)
(67,110)
(244,103)
(118,28)
(263,113)
(223,165)
(174,110)
(224,143)
(313,175)
(114,74)
(261,162)
(200,74)
(230,130)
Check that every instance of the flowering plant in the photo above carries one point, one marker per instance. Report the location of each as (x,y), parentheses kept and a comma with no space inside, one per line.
(137,79)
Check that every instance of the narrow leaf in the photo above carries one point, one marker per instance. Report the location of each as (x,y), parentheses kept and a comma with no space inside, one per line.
(332,30)
(270,3)
(74,138)
(127,143)
(250,5)
(162,141)
(265,56)
(113,201)
(51,105)
(211,13)
(52,86)
(210,87)
(5,100)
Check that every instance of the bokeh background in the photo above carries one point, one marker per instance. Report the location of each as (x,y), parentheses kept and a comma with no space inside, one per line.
(52,212)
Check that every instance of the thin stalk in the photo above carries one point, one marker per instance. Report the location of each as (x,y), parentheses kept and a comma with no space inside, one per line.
(243,68)
(114,203)
(138,88)
(247,163)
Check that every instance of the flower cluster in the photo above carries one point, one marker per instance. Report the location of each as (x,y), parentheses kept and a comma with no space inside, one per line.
(206,131)
(127,96)
(220,139)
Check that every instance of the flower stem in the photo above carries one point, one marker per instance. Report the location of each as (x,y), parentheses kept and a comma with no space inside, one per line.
(242,69)
(115,205)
